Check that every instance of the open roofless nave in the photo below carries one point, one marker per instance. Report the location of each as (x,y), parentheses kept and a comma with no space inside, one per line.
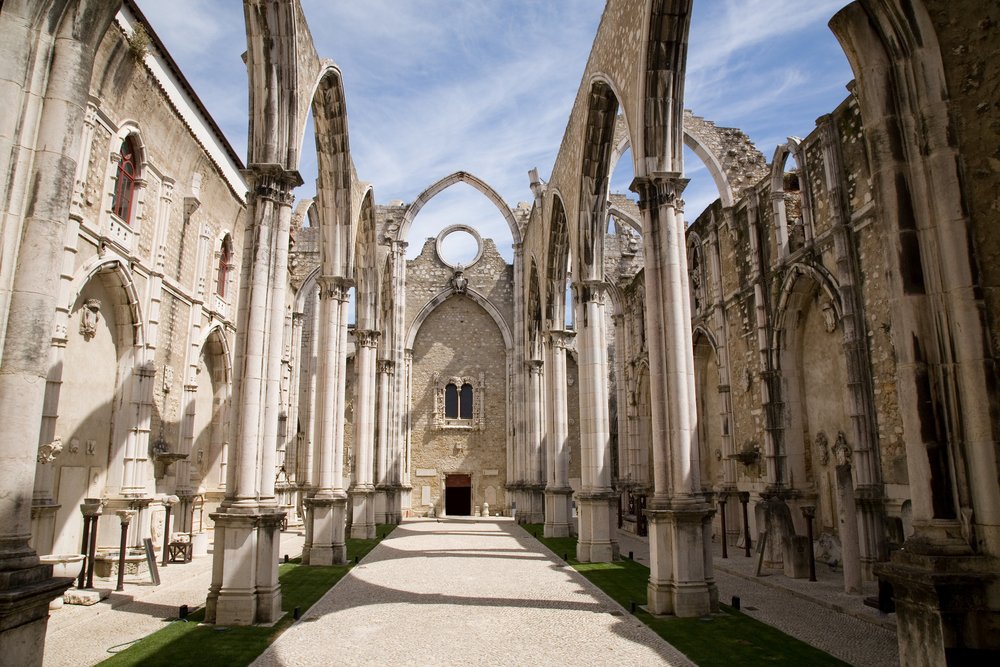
(193,361)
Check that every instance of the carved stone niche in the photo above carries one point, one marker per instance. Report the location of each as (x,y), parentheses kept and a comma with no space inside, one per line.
(90,316)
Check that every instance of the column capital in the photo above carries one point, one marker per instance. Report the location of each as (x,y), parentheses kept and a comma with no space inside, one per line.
(334,287)
(385,366)
(297,318)
(590,290)
(272,181)
(560,338)
(659,190)
(534,366)
(366,337)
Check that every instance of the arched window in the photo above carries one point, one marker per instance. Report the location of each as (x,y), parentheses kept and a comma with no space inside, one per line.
(128,173)
(225,264)
(465,403)
(451,401)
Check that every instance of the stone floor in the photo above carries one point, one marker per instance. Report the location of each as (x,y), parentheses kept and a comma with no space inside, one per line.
(466,592)
(477,591)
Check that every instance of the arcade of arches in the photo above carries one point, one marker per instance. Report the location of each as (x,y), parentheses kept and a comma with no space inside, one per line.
(179,335)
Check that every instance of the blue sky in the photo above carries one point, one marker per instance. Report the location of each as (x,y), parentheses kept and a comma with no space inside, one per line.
(437,86)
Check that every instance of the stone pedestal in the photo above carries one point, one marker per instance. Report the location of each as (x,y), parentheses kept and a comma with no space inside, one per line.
(363,513)
(678,581)
(596,543)
(947,605)
(245,588)
(328,517)
(381,504)
(25,595)
(557,511)
(536,503)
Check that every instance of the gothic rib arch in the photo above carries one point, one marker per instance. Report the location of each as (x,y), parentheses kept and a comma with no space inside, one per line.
(364,266)
(444,295)
(799,282)
(556,263)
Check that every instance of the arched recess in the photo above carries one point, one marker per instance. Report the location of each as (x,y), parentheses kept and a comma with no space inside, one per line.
(810,357)
(365,265)
(95,397)
(533,315)
(595,174)
(792,219)
(557,266)
(210,442)
(709,409)
(441,297)
(458,177)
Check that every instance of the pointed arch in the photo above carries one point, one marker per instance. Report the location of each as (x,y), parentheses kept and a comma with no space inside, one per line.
(365,266)
(444,295)
(445,183)
(792,290)
(595,174)
(556,263)
(116,269)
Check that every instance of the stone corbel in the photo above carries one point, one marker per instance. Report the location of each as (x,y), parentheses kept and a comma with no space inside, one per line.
(48,452)
(90,316)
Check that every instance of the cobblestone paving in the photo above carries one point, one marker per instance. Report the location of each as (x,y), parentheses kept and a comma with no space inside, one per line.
(818,613)
(466,592)
(79,636)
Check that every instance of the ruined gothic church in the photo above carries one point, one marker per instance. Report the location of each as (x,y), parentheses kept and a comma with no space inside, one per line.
(814,353)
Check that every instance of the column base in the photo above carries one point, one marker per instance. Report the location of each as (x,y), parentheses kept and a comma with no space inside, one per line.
(381,504)
(678,581)
(536,503)
(363,513)
(947,605)
(245,588)
(327,518)
(557,511)
(25,595)
(596,543)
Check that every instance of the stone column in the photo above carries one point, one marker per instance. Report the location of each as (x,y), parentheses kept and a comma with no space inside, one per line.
(557,488)
(293,442)
(328,505)
(595,501)
(363,490)
(244,588)
(678,582)
(534,486)
(385,370)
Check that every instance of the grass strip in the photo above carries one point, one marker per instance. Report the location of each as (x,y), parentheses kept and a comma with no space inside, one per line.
(194,643)
(724,638)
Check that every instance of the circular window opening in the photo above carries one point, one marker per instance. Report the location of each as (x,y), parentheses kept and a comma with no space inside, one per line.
(459,245)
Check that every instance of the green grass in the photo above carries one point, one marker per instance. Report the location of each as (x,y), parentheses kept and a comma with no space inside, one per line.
(724,638)
(192,643)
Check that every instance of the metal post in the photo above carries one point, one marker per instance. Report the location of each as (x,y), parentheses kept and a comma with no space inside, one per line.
(84,548)
(722,516)
(809,512)
(126,517)
(168,504)
(744,499)
(92,551)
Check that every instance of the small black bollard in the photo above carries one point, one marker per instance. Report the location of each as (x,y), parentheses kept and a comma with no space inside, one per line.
(630,556)
(566,557)
(182,613)
(297,613)
(631,606)
(736,603)
(286,558)
(355,560)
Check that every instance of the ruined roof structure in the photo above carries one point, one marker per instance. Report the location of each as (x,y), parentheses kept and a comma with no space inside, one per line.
(207,364)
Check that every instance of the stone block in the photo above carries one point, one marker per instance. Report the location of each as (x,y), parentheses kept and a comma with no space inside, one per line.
(796,563)
(86,596)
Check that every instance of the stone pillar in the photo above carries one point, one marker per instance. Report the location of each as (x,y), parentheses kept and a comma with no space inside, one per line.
(595,501)
(244,588)
(557,488)
(363,490)
(56,111)
(679,583)
(534,482)
(293,442)
(848,520)
(327,506)
(385,370)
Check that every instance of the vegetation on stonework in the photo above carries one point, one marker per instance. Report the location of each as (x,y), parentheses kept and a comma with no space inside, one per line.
(195,643)
(724,638)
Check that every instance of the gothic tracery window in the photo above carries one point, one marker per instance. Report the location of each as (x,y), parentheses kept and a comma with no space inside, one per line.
(122,204)
(458,402)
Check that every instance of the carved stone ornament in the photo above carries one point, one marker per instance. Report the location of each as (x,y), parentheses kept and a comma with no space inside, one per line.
(459,282)
(74,445)
(47,453)
(823,447)
(89,317)
(841,450)
(829,316)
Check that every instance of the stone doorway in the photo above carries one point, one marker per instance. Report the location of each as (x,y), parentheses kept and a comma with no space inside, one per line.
(458,495)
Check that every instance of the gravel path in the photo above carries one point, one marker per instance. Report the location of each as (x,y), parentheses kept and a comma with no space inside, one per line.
(466,592)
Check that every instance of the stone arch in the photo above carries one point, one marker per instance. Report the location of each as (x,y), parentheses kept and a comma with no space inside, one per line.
(533,314)
(365,267)
(131,305)
(786,192)
(708,426)
(595,174)
(626,217)
(441,297)
(557,263)
(788,296)
(209,453)
(448,181)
